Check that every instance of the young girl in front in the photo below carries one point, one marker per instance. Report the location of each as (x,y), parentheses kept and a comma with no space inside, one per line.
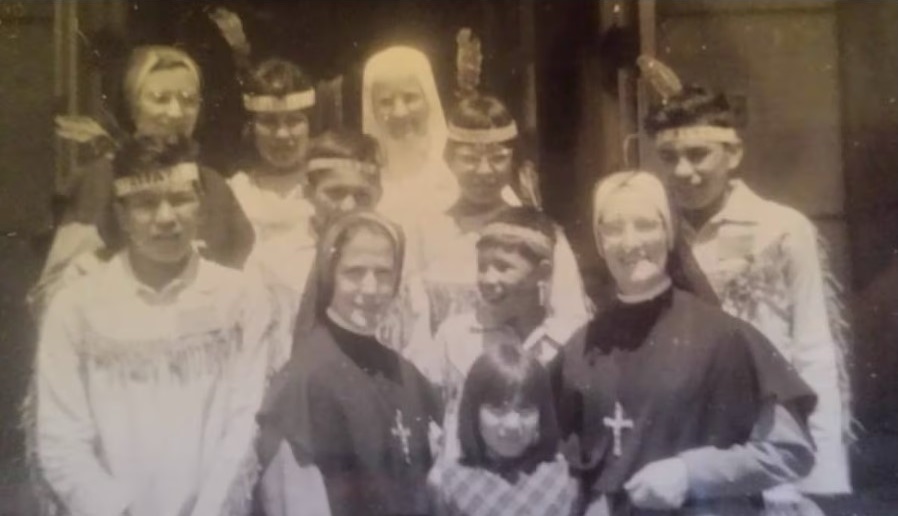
(509,463)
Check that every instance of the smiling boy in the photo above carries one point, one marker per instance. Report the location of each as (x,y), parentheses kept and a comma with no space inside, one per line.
(762,258)
(150,370)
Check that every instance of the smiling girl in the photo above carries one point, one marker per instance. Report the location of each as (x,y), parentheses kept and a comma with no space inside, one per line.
(509,440)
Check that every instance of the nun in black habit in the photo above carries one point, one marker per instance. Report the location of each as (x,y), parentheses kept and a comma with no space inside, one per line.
(671,406)
(349,404)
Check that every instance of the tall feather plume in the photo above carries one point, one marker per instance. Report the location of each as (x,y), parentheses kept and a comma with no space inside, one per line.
(662,78)
(468,63)
(230,26)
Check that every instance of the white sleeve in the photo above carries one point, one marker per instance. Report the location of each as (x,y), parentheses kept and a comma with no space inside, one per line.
(230,480)
(814,354)
(66,431)
(777,452)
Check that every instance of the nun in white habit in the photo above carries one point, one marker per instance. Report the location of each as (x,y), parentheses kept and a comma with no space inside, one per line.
(401,108)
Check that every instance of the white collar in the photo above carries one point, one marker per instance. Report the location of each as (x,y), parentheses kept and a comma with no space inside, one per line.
(657,290)
(741,205)
(170,291)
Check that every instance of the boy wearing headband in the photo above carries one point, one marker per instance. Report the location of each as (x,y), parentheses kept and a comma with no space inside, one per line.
(161,97)
(761,258)
(484,154)
(150,370)
(342,174)
(514,267)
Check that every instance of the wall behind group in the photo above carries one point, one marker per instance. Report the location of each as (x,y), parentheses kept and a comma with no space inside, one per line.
(781,59)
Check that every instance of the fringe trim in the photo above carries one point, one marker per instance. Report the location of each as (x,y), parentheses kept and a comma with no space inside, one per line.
(840,328)
(185,358)
(239,501)
(449,299)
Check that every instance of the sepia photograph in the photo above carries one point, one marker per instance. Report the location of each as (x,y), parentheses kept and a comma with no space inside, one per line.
(458,258)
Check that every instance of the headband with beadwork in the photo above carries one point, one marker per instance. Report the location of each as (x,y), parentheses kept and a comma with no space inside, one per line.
(181,174)
(503,231)
(711,133)
(272,104)
(491,135)
(344,164)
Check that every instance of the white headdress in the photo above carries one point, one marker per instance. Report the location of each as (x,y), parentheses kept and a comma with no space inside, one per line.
(416,162)
(396,62)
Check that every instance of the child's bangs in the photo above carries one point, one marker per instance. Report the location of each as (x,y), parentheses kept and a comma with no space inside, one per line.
(514,387)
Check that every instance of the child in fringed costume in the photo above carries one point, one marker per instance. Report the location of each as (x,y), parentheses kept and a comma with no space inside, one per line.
(672,406)
(514,255)
(483,153)
(509,463)
(151,369)
(162,88)
(342,173)
(764,260)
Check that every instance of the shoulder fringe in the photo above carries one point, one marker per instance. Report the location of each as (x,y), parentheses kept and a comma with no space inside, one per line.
(184,359)
(240,495)
(46,502)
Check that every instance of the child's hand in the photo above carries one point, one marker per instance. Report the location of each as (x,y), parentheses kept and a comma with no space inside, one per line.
(661,485)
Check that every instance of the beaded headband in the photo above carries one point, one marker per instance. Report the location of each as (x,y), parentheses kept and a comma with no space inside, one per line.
(491,135)
(271,104)
(700,132)
(535,240)
(178,175)
(344,164)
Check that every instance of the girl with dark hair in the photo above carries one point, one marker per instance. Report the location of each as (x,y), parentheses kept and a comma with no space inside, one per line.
(674,405)
(509,436)
(280,99)
(482,152)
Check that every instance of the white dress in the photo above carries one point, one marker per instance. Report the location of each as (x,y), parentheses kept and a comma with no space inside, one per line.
(270,211)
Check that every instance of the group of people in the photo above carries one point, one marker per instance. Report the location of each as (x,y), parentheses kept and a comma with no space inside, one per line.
(374,320)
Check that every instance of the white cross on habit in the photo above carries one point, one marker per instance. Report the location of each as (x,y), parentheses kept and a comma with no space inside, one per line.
(617,424)
(402,432)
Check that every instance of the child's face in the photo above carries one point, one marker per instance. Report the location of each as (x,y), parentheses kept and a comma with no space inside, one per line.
(698,170)
(482,171)
(506,278)
(161,222)
(508,431)
(339,191)
(282,138)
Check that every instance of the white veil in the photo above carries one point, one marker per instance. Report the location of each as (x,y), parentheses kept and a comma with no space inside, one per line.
(413,162)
